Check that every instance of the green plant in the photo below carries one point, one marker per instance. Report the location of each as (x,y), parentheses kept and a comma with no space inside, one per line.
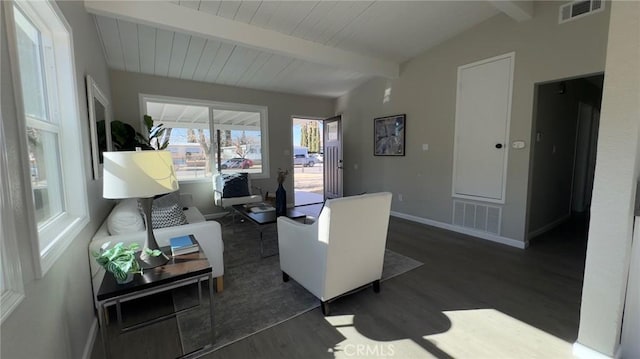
(156,134)
(119,260)
(126,138)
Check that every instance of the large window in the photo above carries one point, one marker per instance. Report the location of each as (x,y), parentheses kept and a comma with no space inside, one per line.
(44,76)
(192,128)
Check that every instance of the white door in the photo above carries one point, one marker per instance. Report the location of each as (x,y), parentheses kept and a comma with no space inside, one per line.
(483,110)
(333,158)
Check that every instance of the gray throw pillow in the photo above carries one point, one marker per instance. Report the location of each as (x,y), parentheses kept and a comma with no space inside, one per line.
(170,216)
(166,211)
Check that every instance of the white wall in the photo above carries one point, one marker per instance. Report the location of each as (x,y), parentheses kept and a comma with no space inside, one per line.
(126,86)
(55,318)
(426,92)
(617,172)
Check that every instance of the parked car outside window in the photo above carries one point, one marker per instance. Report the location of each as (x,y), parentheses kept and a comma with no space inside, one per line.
(303,160)
(237,163)
(317,157)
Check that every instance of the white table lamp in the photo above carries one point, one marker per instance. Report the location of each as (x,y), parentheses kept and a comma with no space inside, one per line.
(142,175)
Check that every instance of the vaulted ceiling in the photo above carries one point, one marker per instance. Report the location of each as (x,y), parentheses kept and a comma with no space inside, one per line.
(322,48)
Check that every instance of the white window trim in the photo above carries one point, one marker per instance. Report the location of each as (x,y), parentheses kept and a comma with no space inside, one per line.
(75,217)
(13,293)
(229,106)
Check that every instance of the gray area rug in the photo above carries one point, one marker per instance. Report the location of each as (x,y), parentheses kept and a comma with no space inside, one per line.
(254,297)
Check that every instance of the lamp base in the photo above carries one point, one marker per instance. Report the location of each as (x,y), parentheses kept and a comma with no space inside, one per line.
(148,261)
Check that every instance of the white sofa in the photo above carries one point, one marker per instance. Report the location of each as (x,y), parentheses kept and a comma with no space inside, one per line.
(208,234)
(341,251)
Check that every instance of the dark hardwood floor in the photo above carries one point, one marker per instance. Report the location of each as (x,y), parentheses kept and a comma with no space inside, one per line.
(470,299)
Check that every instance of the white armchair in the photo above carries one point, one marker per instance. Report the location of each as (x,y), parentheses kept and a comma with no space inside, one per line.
(220,201)
(341,251)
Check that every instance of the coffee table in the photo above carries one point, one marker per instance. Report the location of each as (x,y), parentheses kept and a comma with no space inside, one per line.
(261,219)
(180,271)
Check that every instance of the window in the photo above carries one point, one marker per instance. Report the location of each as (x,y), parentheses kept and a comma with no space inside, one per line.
(189,127)
(44,77)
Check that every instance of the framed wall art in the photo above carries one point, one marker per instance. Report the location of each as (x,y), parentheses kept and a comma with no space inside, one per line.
(389,135)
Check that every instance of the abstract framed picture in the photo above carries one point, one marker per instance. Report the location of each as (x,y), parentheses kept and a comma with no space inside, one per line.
(389,135)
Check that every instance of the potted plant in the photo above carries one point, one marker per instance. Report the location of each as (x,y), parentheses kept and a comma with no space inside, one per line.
(126,138)
(119,260)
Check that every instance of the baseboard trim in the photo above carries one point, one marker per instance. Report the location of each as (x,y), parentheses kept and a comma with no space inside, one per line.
(549,226)
(482,235)
(584,352)
(91,339)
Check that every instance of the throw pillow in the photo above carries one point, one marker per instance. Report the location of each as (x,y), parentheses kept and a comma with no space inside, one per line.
(167,200)
(166,211)
(125,218)
(235,185)
(170,216)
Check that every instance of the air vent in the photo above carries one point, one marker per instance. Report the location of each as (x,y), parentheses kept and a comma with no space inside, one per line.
(476,216)
(578,9)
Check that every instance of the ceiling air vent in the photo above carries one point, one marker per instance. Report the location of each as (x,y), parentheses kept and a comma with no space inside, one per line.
(578,9)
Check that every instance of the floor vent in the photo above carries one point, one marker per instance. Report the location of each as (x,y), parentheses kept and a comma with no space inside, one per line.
(477,216)
(578,9)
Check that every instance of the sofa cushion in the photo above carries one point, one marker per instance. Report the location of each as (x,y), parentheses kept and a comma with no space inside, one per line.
(125,217)
(235,185)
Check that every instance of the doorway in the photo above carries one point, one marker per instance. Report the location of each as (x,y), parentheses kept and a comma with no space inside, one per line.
(564,140)
(308,160)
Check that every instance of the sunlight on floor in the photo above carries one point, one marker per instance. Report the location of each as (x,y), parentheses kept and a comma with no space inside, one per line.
(357,345)
(488,333)
(477,333)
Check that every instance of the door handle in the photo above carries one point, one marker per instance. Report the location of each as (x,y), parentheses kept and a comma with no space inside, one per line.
(498,145)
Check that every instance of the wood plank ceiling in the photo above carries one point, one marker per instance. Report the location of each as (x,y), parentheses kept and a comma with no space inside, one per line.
(390,30)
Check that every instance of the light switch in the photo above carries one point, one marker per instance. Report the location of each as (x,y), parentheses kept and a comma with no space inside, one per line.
(425,147)
(518,144)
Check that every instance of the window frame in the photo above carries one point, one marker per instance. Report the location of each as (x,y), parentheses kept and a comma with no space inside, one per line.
(11,271)
(51,240)
(217,105)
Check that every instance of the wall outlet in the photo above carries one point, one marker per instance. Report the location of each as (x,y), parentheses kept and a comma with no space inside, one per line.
(400,198)
(425,147)
(355,166)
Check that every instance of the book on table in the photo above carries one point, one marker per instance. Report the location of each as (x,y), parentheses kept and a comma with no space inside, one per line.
(183,245)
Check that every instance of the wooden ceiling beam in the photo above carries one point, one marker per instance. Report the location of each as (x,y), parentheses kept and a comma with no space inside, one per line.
(168,16)
(519,10)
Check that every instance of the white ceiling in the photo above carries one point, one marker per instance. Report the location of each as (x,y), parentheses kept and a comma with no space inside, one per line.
(387,31)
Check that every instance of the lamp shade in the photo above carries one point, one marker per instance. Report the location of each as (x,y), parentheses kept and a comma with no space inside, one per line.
(138,174)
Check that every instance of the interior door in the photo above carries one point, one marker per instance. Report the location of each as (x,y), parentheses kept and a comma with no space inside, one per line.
(483,109)
(333,157)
